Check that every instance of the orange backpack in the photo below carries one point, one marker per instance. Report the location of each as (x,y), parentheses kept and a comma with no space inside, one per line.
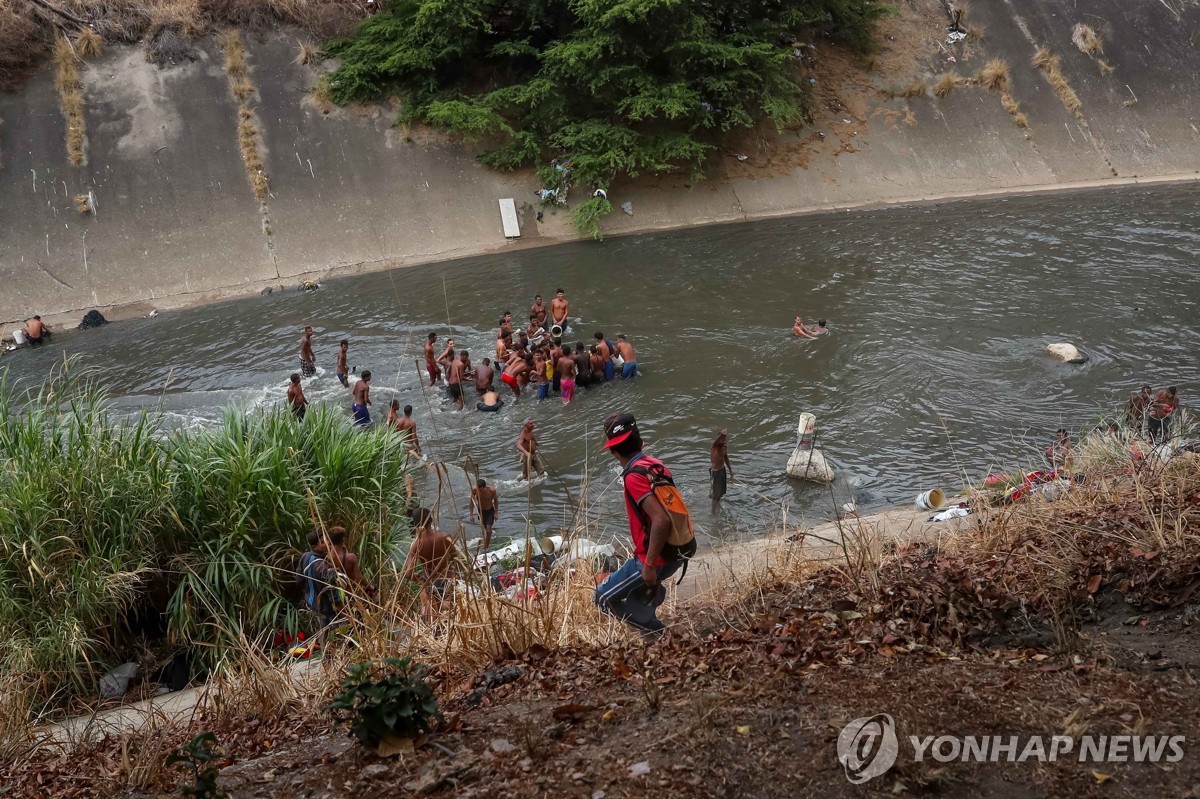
(681,540)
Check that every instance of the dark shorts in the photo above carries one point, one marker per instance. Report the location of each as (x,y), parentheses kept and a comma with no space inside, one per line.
(341,376)
(583,379)
(543,391)
(488,516)
(454,390)
(307,368)
(609,369)
(719,483)
(362,416)
(298,412)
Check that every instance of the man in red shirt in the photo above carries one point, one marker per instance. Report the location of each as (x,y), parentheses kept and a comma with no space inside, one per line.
(633,591)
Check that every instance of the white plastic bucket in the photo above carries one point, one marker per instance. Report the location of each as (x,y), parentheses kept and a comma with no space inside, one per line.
(932,499)
(19,336)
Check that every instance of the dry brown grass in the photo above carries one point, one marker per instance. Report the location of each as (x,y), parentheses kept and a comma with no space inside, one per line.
(322,99)
(1051,65)
(1020,119)
(994,75)
(70,97)
(89,44)
(975,33)
(1105,67)
(242,89)
(1086,39)
(948,83)
(307,53)
(83,204)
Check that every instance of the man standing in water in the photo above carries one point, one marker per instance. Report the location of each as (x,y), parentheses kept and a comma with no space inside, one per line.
(456,369)
(629,369)
(606,352)
(362,398)
(342,360)
(308,361)
(1162,410)
(484,497)
(514,374)
(528,447)
(558,310)
(392,422)
(429,562)
(484,375)
(431,360)
(407,425)
(566,372)
(296,399)
(654,559)
(537,311)
(719,461)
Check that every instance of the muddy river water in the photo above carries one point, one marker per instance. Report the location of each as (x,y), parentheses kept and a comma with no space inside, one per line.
(933,371)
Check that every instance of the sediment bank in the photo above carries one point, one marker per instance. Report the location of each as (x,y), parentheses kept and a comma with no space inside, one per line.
(172,222)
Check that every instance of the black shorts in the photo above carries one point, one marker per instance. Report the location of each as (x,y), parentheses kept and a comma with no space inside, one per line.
(719,483)
(455,390)
(488,516)
(298,412)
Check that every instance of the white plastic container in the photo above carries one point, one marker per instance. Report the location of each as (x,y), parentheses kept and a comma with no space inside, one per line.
(19,337)
(932,499)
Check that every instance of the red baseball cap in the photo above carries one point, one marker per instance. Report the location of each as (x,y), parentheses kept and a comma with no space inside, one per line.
(619,427)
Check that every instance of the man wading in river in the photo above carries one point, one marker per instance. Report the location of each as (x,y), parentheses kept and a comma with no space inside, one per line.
(632,592)
(308,361)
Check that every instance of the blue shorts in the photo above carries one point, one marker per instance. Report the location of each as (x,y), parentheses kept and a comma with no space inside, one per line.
(341,376)
(543,390)
(609,370)
(362,416)
(628,370)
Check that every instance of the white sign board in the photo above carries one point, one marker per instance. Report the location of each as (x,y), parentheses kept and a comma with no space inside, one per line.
(508,216)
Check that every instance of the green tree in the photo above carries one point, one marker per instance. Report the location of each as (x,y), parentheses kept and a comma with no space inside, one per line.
(589,90)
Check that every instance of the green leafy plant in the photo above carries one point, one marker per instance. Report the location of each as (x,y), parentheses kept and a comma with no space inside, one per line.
(384,699)
(615,87)
(199,759)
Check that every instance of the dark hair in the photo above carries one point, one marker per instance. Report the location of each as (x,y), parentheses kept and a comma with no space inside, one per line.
(821,322)
(537,296)
(1060,431)
(366,375)
(313,538)
(508,313)
(486,362)
(337,536)
(1171,390)
(395,404)
(533,317)
(598,336)
(432,336)
(462,355)
(407,410)
(422,517)
(295,377)
(35,316)
(579,346)
(345,342)
(595,350)
(629,447)
(559,291)
(481,482)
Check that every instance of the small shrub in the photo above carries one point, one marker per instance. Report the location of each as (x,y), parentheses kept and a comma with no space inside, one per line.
(587,216)
(1106,68)
(89,44)
(994,75)
(385,699)
(198,760)
(975,33)
(307,53)
(1086,39)
(948,83)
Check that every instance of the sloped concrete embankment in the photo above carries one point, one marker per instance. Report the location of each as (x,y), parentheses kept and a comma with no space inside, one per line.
(174,221)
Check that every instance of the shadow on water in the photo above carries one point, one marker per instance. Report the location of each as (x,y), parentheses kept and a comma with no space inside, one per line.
(934,369)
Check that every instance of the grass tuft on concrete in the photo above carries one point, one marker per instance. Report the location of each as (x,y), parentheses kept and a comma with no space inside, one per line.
(307,53)
(237,68)
(70,97)
(1051,66)
(89,44)
(1087,40)
(994,75)
(83,204)
(948,83)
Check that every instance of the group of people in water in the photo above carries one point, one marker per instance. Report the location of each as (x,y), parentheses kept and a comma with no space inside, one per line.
(533,357)
(1149,416)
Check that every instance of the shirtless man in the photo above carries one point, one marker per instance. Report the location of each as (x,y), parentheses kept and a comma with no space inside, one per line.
(819,329)
(1161,413)
(431,360)
(36,330)
(535,332)
(597,364)
(407,425)
(455,371)
(392,422)
(502,342)
(538,312)
(558,310)
(343,368)
(718,456)
(447,355)
(629,368)
(308,361)
(527,445)
(484,375)
(539,377)
(1138,408)
(484,497)
(296,399)
(362,398)
(345,561)
(516,373)
(606,352)
(583,365)
(566,373)
(506,323)
(1059,453)
(430,562)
